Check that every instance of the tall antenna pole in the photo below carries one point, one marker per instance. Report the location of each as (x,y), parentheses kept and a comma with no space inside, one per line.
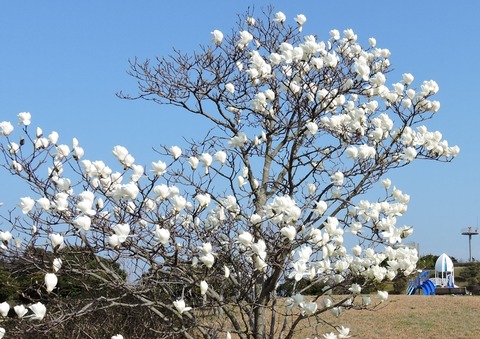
(470,231)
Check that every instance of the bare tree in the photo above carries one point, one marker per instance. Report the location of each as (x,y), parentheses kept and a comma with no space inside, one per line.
(275,194)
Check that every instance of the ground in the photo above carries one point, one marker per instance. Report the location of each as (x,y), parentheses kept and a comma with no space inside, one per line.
(417,316)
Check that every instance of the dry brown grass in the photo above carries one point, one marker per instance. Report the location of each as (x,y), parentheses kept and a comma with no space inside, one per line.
(400,317)
(415,316)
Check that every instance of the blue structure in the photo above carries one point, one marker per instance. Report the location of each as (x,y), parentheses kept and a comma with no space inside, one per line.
(421,283)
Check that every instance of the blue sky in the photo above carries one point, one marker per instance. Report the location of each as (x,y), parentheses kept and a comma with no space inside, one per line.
(63,61)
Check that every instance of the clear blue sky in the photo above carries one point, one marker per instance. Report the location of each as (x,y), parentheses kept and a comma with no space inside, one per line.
(63,61)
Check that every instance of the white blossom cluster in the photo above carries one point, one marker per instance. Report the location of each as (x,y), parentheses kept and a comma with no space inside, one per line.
(348,115)
(352,112)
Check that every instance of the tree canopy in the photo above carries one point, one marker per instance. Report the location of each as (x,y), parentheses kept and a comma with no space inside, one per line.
(301,130)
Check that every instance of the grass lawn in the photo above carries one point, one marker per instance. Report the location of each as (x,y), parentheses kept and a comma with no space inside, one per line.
(415,316)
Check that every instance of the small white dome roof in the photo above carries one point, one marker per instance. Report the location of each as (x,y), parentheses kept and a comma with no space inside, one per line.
(444,264)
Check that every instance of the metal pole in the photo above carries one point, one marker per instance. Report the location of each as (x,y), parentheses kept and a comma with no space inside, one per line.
(470,247)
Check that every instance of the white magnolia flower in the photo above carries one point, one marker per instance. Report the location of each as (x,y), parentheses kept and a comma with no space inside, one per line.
(299,270)
(78,152)
(122,231)
(383,295)
(163,191)
(357,250)
(355,289)
(255,219)
(241,181)
(26,204)
(405,231)
(407,103)
(17,166)
(365,152)
(20,310)
(309,308)
(250,21)
(203,287)
(178,203)
(175,151)
(352,152)
(335,34)
(226,272)
(4,308)
(51,281)
(300,19)
(407,78)
(343,332)
(53,137)
(13,148)
(280,18)
(312,128)
(114,240)
(162,234)
(435,106)
(336,311)
(295,300)
(56,239)
(24,118)
(129,191)
(289,232)
(239,65)
(206,256)
(386,183)
(245,38)
(180,306)
(221,156)
(62,151)
(362,68)
(337,178)
(203,199)
(311,188)
(350,35)
(327,302)
(230,87)
(245,238)
(118,336)
(206,159)
(44,203)
(120,152)
(85,205)
(6,128)
(159,168)
(260,249)
(276,58)
(82,222)
(137,172)
(320,207)
(238,140)
(410,154)
(217,37)
(305,253)
(193,161)
(5,237)
(38,310)
(366,300)
(57,264)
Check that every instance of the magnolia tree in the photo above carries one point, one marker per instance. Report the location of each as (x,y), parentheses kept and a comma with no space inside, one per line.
(273,196)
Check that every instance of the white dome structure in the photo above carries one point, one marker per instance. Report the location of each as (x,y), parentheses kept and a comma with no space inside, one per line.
(444,271)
